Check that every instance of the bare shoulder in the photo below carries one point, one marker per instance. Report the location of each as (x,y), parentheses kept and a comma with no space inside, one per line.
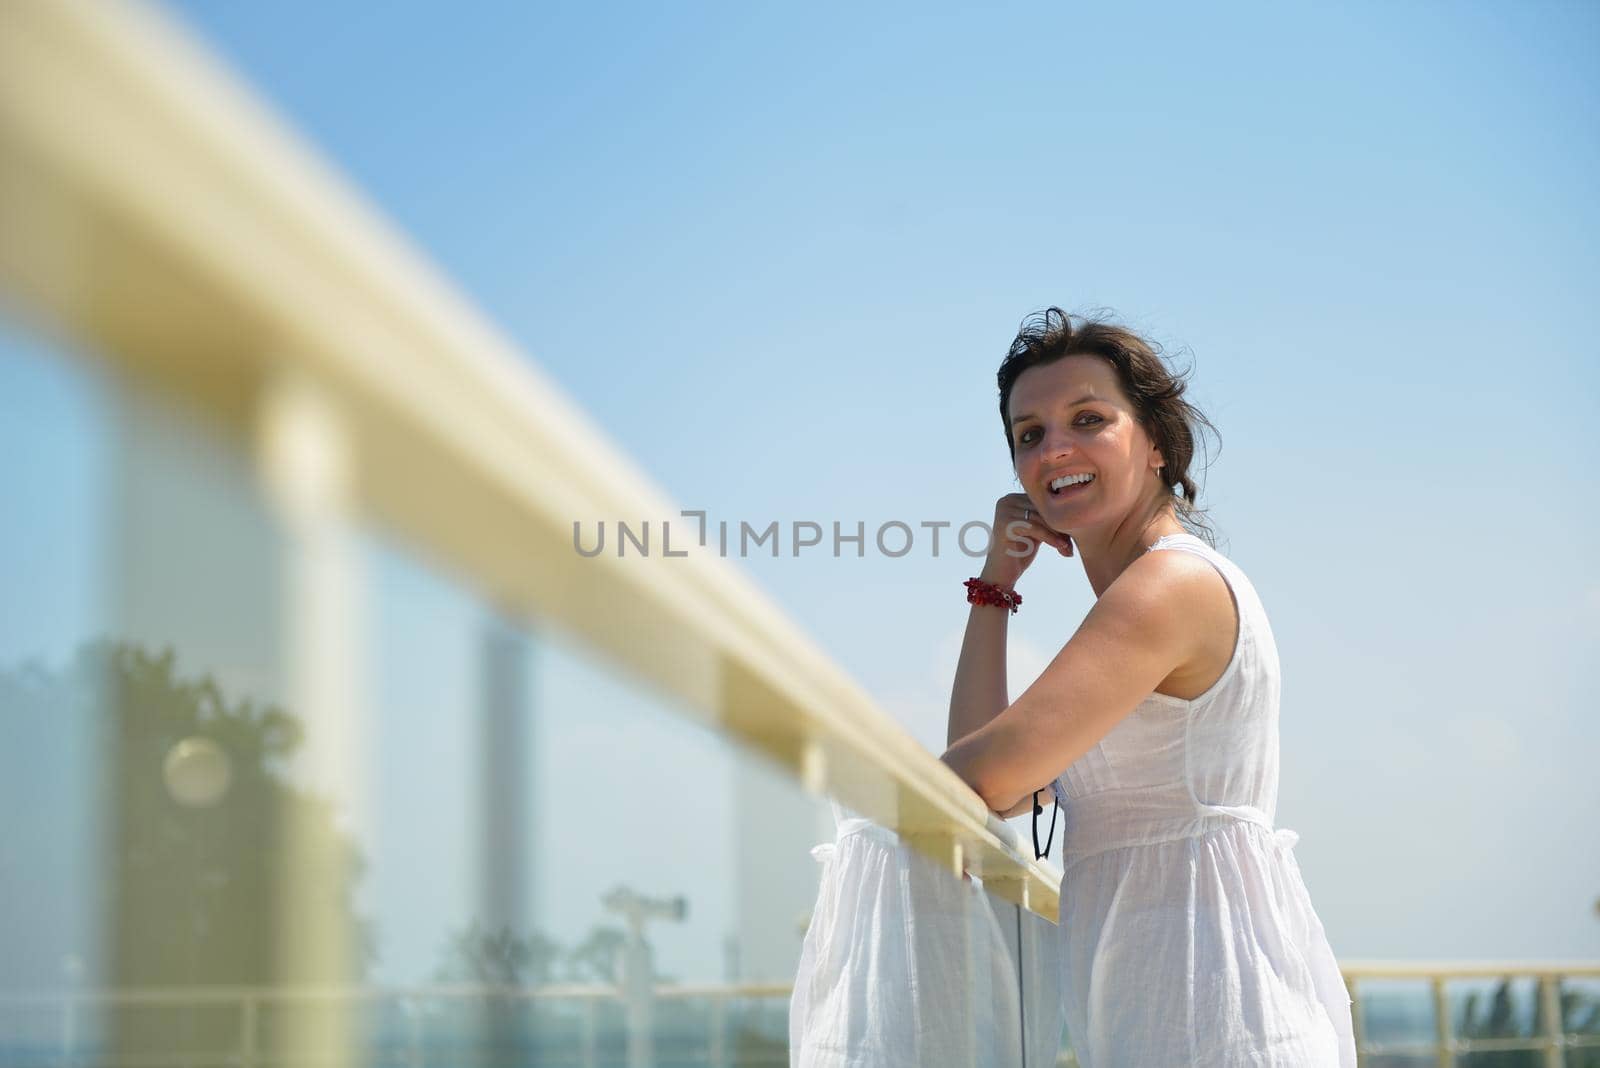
(1173,581)
(1186,593)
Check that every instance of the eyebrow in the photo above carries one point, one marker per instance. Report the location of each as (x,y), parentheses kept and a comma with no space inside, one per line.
(1081,400)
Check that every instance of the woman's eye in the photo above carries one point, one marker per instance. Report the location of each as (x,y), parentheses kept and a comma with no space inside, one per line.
(1087,419)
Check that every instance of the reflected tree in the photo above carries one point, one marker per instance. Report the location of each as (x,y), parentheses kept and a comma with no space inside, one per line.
(1580,1015)
(498,958)
(598,958)
(194,883)
(1496,1017)
(477,954)
(179,796)
(1496,1020)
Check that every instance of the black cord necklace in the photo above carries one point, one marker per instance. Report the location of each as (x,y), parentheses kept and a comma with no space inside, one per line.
(1038,810)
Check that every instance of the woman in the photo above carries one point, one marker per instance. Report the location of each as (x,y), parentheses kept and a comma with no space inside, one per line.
(1188,937)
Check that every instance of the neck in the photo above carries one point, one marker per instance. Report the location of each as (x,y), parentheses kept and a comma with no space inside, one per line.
(1106,551)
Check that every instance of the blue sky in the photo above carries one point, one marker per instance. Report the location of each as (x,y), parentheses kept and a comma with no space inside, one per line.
(776,254)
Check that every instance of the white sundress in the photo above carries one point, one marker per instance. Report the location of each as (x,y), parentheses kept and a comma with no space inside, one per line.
(904,965)
(1186,938)
(1187,935)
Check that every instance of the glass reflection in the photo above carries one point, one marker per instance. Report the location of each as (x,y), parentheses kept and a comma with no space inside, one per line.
(278,790)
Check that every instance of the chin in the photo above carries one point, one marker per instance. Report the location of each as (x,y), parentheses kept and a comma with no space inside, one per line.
(1072,521)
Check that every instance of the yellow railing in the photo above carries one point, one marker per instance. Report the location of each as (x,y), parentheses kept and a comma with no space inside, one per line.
(159,216)
(412,1044)
(411,1041)
(1546,1036)
(155,213)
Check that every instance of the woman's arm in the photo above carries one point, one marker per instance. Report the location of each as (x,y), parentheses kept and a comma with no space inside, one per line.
(1138,632)
(979,693)
(1023,807)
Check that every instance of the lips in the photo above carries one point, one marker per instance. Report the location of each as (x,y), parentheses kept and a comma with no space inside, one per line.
(1075,487)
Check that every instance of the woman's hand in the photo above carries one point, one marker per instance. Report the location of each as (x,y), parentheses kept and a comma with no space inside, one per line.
(1002,566)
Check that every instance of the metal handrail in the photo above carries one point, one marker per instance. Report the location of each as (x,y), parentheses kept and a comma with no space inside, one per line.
(1550,1039)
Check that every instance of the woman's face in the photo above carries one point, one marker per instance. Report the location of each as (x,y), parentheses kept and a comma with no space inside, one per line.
(1070,417)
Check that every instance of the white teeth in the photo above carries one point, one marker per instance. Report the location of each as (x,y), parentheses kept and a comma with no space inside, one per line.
(1069,480)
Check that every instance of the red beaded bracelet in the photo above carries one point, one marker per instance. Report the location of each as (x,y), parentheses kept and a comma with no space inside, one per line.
(981,592)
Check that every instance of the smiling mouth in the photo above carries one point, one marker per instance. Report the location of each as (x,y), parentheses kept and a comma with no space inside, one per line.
(1059,488)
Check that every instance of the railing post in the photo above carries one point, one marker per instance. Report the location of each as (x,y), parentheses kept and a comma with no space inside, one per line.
(718,1051)
(591,1056)
(1550,1020)
(639,999)
(413,1014)
(306,458)
(69,1030)
(941,847)
(1013,889)
(1441,1022)
(1358,1023)
(1022,982)
(247,1031)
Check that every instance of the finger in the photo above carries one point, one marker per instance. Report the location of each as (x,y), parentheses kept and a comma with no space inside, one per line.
(1039,532)
(1053,542)
(1029,526)
(1061,541)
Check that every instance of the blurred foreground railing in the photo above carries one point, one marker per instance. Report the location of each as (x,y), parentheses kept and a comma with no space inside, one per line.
(159,217)
(154,214)
(1542,1014)
(414,1039)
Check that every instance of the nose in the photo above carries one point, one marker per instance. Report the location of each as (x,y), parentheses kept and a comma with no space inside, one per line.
(1057,442)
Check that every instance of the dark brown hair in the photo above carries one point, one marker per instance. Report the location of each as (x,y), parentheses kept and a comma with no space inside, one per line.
(1155,391)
